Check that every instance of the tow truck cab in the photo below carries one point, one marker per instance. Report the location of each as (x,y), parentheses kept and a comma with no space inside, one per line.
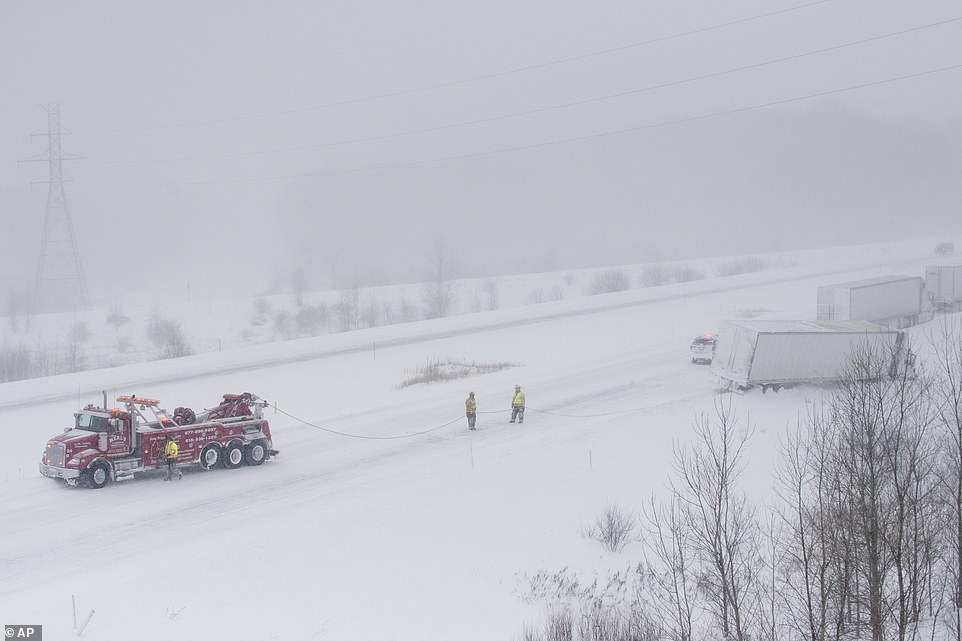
(96,433)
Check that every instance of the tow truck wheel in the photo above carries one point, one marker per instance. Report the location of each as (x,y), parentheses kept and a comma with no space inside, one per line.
(234,456)
(97,476)
(255,453)
(210,456)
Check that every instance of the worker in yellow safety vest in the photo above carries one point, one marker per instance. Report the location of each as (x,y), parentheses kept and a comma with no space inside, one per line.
(517,405)
(471,410)
(171,450)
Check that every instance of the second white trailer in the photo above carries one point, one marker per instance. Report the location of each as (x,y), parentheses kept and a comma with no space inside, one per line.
(943,283)
(895,301)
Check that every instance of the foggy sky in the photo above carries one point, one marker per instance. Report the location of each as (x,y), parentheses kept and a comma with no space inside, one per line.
(225,144)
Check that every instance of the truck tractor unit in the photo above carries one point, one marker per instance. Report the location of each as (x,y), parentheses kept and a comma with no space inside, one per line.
(113,444)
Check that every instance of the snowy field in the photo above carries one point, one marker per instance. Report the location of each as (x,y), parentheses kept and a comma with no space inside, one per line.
(405,525)
(142,325)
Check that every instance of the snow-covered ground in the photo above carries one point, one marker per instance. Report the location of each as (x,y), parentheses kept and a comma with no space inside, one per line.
(432,536)
(142,325)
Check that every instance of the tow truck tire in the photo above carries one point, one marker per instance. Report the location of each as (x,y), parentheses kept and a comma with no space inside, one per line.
(97,476)
(233,456)
(255,453)
(210,456)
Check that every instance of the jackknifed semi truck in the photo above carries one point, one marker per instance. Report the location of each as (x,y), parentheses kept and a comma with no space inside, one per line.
(772,354)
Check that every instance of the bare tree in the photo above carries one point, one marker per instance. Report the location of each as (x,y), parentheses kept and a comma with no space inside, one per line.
(77,335)
(348,308)
(947,349)
(333,268)
(673,572)
(491,287)
(311,320)
(299,284)
(864,522)
(262,310)
(18,305)
(438,291)
(371,309)
(816,572)
(887,461)
(720,519)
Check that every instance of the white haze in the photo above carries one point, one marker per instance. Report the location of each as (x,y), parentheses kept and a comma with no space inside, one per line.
(227,144)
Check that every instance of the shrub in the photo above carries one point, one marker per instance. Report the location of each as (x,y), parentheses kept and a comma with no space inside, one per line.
(685,273)
(743,265)
(612,608)
(558,626)
(612,280)
(16,363)
(535,296)
(311,321)
(168,336)
(283,324)
(176,344)
(557,292)
(436,370)
(116,317)
(654,275)
(612,527)
(262,309)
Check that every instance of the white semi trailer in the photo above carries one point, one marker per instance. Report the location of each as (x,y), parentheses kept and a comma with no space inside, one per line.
(772,354)
(894,301)
(943,284)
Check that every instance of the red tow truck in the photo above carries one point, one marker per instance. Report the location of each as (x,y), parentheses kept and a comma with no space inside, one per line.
(114,444)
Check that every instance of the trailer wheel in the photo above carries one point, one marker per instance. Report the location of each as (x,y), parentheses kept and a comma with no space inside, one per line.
(210,456)
(255,453)
(96,476)
(234,456)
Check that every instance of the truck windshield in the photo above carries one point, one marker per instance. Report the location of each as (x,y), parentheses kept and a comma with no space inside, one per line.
(91,423)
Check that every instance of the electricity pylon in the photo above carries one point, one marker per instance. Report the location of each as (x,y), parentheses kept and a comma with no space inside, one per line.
(60,284)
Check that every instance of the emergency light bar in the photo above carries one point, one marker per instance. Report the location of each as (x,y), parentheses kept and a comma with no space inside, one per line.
(138,401)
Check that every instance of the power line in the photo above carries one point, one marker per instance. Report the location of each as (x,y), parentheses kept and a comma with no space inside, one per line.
(620,94)
(452,83)
(561,141)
